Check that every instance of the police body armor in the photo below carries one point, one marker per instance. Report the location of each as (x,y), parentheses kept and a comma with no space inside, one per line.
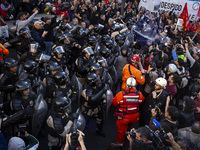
(57,123)
(90,92)
(130,103)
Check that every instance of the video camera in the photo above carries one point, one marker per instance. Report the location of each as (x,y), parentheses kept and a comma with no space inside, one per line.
(158,138)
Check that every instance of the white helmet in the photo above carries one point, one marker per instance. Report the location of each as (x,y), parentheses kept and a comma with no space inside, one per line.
(172,68)
(162,82)
(131,82)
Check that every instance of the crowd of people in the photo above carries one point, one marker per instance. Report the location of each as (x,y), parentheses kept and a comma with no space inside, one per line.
(72,67)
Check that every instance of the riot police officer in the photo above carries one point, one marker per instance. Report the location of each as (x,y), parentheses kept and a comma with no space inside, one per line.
(49,82)
(92,101)
(58,56)
(34,49)
(23,101)
(92,40)
(59,122)
(102,72)
(105,38)
(83,63)
(25,39)
(8,79)
(63,28)
(63,85)
(30,72)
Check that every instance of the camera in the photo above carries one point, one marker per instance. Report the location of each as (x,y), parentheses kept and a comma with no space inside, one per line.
(152,64)
(131,133)
(162,134)
(22,130)
(158,138)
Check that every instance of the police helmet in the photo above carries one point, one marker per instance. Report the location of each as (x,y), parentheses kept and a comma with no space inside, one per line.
(95,68)
(53,66)
(62,39)
(105,38)
(30,66)
(9,62)
(102,61)
(109,44)
(87,50)
(105,52)
(58,50)
(92,40)
(119,39)
(22,85)
(92,79)
(25,33)
(123,36)
(62,105)
(61,78)
(64,27)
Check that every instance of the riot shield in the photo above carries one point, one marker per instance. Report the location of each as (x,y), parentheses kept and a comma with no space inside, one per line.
(113,74)
(97,48)
(20,69)
(42,58)
(107,104)
(81,123)
(39,115)
(76,87)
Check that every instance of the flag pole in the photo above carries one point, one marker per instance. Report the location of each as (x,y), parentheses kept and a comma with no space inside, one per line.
(195,34)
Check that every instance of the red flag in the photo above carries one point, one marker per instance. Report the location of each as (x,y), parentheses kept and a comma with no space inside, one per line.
(107,1)
(194,27)
(198,14)
(184,16)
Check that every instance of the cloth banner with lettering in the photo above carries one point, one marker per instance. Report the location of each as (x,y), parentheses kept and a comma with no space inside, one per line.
(169,5)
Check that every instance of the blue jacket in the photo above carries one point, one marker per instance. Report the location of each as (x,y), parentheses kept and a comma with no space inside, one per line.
(3,143)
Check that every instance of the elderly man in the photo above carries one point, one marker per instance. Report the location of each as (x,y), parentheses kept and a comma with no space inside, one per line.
(38,33)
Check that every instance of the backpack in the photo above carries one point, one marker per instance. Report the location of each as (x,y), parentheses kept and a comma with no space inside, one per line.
(184,79)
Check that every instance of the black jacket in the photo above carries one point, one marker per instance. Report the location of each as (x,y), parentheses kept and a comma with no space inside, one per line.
(37,36)
(49,28)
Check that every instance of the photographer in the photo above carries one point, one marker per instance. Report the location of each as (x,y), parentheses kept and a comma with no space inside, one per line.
(158,98)
(80,139)
(140,139)
(143,137)
(17,143)
(170,118)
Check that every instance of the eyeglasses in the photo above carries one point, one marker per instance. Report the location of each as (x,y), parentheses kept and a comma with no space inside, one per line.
(157,84)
